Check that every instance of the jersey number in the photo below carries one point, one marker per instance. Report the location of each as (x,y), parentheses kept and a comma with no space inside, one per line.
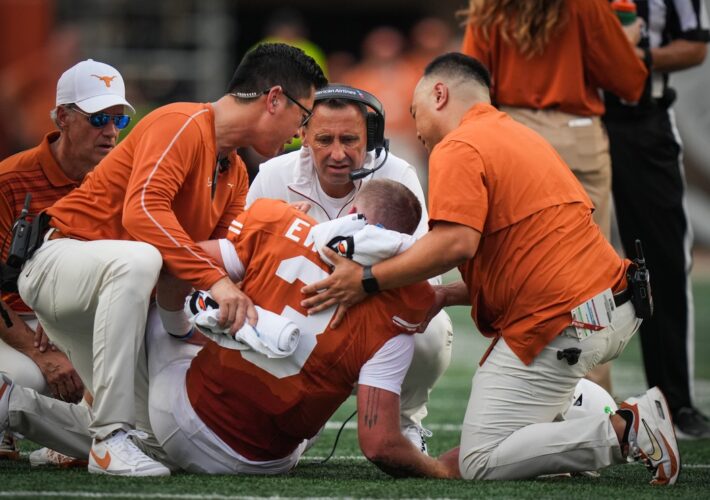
(307,272)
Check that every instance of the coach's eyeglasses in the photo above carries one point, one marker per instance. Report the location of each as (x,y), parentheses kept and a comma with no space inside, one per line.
(100,120)
(254,95)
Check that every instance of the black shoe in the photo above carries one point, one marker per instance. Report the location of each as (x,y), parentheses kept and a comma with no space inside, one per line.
(691,424)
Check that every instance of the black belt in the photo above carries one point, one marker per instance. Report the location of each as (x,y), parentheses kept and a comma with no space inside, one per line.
(622,297)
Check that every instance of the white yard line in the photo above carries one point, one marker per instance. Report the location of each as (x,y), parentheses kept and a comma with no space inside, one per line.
(334,425)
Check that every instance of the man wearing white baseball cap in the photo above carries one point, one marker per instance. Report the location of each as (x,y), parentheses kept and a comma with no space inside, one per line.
(89,113)
(93,86)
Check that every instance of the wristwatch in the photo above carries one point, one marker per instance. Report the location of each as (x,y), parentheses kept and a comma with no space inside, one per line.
(369,282)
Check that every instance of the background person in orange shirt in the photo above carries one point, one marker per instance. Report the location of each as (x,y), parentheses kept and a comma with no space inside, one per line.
(529,254)
(49,171)
(173,180)
(649,186)
(548,60)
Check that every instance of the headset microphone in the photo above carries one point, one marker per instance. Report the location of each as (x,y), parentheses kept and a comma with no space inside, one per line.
(361,173)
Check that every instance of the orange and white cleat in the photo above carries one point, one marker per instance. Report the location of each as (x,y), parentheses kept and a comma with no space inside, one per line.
(46,457)
(652,436)
(8,447)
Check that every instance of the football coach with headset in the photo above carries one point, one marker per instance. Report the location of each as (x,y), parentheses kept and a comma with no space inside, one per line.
(344,146)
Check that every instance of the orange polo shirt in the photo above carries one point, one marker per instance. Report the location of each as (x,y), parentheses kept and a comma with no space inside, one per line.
(540,253)
(156,187)
(33,171)
(588,52)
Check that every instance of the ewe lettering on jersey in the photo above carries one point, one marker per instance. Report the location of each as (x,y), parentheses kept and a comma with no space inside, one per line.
(293,233)
(296,228)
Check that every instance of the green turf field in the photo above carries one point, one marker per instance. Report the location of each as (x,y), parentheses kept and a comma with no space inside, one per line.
(349,475)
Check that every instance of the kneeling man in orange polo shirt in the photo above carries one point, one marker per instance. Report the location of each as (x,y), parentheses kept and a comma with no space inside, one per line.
(542,281)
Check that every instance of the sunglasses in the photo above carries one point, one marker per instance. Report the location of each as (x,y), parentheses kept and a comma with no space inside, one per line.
(254,95)
(100,120)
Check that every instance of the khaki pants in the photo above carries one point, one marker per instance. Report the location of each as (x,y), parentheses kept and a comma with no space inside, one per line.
(66,427)
(583,144)
(510,432)
(92,298)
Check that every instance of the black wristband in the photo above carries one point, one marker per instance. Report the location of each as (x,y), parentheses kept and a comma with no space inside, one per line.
(369,282)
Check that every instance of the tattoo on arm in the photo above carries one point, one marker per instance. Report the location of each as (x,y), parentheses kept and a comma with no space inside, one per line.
(371,404)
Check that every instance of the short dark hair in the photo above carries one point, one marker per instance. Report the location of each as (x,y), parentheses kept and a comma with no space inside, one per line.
(270,64)
(456,64)
(391,204)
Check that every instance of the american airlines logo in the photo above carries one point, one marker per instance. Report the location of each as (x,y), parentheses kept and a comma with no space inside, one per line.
(326,92)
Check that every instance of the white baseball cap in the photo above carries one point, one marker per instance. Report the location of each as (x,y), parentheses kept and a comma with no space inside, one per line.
(92,86)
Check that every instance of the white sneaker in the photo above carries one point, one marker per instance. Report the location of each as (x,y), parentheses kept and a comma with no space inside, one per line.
(117,455)
(48,457)
(652,437)
(418,436)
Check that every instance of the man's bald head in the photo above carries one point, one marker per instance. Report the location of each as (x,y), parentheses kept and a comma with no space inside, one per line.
(451,85)
(467,76)
(455,66)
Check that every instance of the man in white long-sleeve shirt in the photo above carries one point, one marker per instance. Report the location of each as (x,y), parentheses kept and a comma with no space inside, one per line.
(346,134)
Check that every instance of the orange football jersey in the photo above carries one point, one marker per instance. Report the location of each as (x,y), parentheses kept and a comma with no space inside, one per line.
(264,408)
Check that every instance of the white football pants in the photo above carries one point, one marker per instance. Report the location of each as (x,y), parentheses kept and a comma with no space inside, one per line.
(432,355)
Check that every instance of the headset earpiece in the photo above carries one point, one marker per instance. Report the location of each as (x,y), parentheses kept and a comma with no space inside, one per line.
(372,130)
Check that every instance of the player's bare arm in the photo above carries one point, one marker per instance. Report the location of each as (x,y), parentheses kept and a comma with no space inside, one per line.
(382,442)
(454,294)
(234,305)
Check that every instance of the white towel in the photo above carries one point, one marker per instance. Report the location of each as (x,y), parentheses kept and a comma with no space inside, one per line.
(353,238)
(274,336)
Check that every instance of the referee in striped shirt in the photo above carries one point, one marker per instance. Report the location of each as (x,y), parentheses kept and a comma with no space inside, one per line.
(649,193)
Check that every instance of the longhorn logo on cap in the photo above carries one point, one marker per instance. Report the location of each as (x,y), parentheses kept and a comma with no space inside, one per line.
(106,79)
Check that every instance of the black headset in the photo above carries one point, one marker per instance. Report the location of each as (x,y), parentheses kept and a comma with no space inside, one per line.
(374,122)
